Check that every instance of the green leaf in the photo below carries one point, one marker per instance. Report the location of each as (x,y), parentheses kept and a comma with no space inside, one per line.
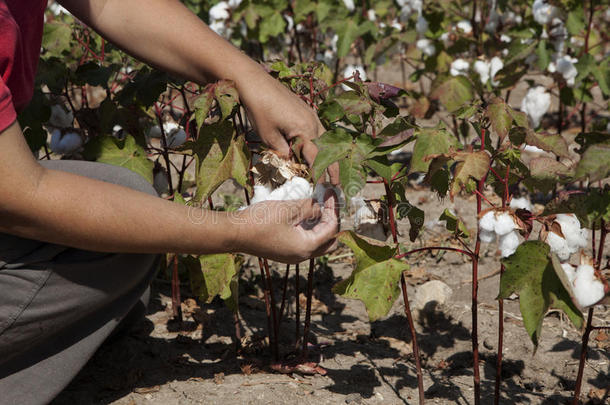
(519,50)
(332,146)
(575,22)
(145,88)
(500,117)
(202,107)
(31,119)
(546,168)
(219,156)
(543,55)
(331,111)
(354,103)
(430,141)
(93,74)
(590,207)
(375,279)
(594,163)
(453,92)
(213,275)
(271,26)
(125,153)
(348,31)
(530,273)
(454,224)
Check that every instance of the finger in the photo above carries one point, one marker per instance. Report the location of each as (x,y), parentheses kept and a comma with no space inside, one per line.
(326,248)
(309,150)
(308,211)
(333,173)
(328,226)
(276,141)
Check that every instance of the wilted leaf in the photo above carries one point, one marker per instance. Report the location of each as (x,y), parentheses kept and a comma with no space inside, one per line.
(202,107)
(545,168)
(376,277)
(453,92)
(530,274)
(550,142)
(430,141)
(594,163)
(226,96)
(499,115)
(470,165)
(213,275)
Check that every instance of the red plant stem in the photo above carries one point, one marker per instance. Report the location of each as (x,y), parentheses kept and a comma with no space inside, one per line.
(333,85)
(270,328)
(375,181)
(480,195)
(281,314)
(497,175)
(583,357)
(307,310)
(593,239)
(390,197)
(420,377)
(297,304)
(272,298)
(176,301)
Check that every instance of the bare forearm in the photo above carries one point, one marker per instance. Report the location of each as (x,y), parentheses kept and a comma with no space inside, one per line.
(89,214)
(166,34)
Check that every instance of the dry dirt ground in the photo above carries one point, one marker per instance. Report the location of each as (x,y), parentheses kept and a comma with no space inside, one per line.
(160,362)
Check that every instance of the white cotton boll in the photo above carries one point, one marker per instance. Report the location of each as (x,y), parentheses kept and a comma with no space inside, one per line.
(219,11)
(535,104)
(487,236)
(408,7)
(482,68)
(349,4)
(371,15)
(508,243)
(422,25)
(445,37)
(396,25)
(289,22)
(459,67)
(521,203)
(570,271)
(297,188)
(65,144)
(465,26)
(565,66)
(504,224)
(543,12)
(426,46)
(57,9)
(221,29)
(505,38)
(558,245)
(588,290)
(261,193)
(570,227)
(533,150)
(350,70)
(488,222)
(496,65)
(60,118)
(234,3)
(552,68)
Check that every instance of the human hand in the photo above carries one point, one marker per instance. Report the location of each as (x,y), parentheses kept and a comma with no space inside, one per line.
(279,116)
(278,230)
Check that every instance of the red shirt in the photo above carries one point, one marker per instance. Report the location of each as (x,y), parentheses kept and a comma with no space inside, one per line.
(21,23)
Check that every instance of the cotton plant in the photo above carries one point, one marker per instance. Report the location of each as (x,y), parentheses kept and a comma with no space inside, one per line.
(566,66)
(465,26)
(586,286)
(521,203)
(487,70)
(426,46)
(535,104)
(219,14)
(543,12)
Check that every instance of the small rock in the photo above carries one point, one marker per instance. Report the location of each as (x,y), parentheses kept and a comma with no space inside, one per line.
(487,343)
(432,293)
(353,398)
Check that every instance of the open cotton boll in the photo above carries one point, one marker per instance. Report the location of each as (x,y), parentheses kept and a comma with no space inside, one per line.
(588,290)
(261,193)
(565,66)
(65,144)
(521,203)
(533,149)
(349,4)
(487,236)
(482,68)
(459,67)
(570,227)
(350,70)
(371,15)
(569,270)
(465,26)
(508,243)
(220,11)
(422,25)
(426,46)
(496,65)
(488,222)
(60,118)
(559,246)
(234,3)
(543,12)
(504,224)
(535,104)
(297,188)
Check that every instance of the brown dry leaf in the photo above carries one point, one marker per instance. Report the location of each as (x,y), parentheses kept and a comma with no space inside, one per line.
(401,346)
(272,170)
(219,378)
(317,306)
(597,395)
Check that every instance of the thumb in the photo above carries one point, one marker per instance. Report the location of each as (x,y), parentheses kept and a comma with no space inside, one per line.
(276,141)
(328,226)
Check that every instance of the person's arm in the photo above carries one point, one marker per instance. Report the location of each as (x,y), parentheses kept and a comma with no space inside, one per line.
(76,211)
(166,34)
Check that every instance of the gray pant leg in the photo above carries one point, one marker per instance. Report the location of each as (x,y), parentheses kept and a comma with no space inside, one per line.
(58,304)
